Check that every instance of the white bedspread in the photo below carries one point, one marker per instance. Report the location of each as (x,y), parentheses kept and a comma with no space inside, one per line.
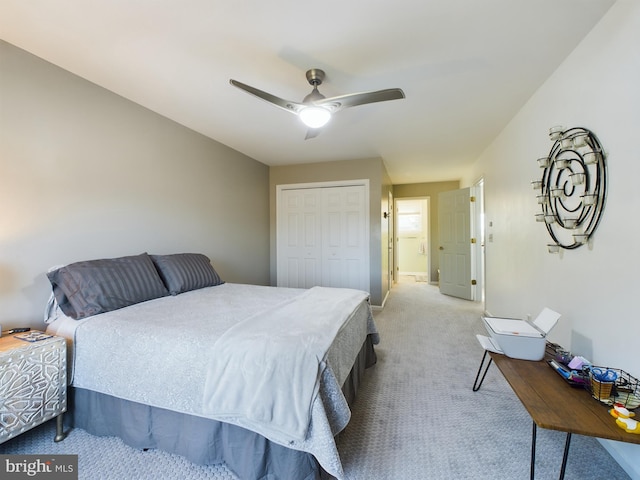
(160,353)
(266,370)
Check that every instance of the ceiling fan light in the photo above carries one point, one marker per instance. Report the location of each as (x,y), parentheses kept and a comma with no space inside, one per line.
(315,117)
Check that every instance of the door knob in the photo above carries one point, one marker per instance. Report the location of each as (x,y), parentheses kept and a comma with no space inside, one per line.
(441,247)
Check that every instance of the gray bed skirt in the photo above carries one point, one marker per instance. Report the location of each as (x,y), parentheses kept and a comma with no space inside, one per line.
(248,455)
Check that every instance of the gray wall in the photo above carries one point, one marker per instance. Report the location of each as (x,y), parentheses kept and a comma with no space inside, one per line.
(87,174)
(431,190)
(372,169)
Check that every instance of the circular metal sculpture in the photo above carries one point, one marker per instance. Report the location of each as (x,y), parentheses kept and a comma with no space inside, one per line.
(573,187)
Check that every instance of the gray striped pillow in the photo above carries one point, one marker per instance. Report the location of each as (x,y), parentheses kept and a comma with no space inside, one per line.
(182,272)
(83,289)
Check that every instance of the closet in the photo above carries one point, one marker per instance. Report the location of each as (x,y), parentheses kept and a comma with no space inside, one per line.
(323,235)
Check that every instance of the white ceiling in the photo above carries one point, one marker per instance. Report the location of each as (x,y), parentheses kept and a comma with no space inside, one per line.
(466,67)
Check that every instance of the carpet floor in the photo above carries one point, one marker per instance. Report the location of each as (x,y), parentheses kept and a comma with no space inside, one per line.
(415,417)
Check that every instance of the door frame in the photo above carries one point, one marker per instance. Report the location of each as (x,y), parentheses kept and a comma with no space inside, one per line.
(391,249)
(478,231)
(396,249)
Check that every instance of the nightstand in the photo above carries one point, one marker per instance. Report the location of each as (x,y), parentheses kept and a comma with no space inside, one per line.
(33,384)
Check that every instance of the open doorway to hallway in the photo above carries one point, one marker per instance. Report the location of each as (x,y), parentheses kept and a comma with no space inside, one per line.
(412,238)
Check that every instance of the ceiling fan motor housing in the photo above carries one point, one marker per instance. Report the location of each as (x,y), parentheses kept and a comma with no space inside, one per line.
(315,76)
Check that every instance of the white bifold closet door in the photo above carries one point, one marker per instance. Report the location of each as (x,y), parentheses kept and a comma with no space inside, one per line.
(323,237)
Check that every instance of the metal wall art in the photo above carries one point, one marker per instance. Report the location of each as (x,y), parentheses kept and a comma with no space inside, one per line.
(573,187)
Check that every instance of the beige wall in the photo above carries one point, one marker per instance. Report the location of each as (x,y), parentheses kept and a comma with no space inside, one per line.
(371,169)
(87,174)
(431,190)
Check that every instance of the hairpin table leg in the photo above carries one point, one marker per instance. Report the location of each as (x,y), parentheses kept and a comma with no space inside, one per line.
(565,455)
(476,385)
(567,444)
(533,452)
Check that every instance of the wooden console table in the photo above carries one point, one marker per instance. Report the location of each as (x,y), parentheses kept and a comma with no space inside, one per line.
(555,405)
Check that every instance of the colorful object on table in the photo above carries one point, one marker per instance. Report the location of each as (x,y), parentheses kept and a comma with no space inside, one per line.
(624,420)
(563,356)
(629,425)
(604,375)
(623,391)
(573,377)
(578,362)
(619,411)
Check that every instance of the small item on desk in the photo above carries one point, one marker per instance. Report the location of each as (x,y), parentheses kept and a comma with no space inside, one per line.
(573,377)
(522,339)
(33,336)
(622,415)
(629,425)
(563,356)
(604,374)
(613,386)
(578,362)
(560,369)
(619,411)
(17,330)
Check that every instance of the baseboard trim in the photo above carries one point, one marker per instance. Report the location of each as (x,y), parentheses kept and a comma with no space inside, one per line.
(377,308)
(624,454)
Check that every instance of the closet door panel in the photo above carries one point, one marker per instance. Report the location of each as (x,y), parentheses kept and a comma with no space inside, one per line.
(299,251)
(323,237)
(344,238)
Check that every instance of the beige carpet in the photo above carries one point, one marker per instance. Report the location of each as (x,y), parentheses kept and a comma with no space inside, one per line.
(416,416)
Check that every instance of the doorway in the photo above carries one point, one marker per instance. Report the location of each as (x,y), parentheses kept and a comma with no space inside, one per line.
(412,238)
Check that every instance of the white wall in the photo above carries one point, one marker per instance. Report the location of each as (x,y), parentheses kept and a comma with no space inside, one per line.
(87,174)
(595,288)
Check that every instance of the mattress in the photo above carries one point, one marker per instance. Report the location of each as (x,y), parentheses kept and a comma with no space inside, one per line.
(158,353)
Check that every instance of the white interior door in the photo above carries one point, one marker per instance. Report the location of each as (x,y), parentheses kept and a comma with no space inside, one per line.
(299,242)
(454,220)
(323,237)
(345,243)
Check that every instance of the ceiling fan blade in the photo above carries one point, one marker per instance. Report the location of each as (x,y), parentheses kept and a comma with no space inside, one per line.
(292,107)
(306,109)
(355,99)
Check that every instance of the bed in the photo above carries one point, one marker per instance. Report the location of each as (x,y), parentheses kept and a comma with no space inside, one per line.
(165,354)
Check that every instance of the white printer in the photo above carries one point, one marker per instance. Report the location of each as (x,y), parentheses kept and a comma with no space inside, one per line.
(521,339)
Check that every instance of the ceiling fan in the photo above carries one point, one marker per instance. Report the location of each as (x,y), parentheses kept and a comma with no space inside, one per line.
(315,110)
